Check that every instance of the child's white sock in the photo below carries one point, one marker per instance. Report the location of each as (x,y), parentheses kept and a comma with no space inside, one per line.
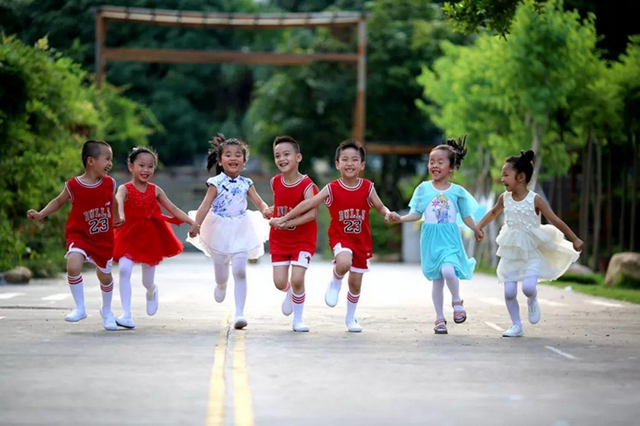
(239,269)
(511,300)
(287,303)
(437,296)
(107,295)
(453,283)
(333,290)
(298,305)
(352,304)
(76,286)
(126,267)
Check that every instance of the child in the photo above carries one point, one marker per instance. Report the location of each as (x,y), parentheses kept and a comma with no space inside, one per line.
(89,230)
(228,232)
(528,250)
(145,236)
(295,244)
(438,202)
(349,200)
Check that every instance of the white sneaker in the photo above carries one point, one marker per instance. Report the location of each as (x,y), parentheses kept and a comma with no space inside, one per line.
(240,322)
(514,331)
(287,304)
(76,315)
(108,320)
(300,326)
(152,302)
(332,294)
(125,321)
(534,311)
(220,292)
(354,327)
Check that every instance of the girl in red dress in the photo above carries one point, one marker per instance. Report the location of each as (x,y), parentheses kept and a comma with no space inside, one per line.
(145,236)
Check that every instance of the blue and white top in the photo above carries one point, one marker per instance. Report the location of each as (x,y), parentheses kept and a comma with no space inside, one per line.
(231,200)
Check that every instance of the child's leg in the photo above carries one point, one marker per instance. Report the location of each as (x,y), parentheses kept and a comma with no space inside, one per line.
(148,281)
(239,269)
(450,277)
(106,287)
(342,265)
(437,295)
(126,267)
(353,297)
(221,271)
(298,296)
(530,289)
(511,299)
(76,285)
(281,280)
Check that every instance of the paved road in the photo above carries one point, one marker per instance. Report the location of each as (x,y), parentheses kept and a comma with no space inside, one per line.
(184,366)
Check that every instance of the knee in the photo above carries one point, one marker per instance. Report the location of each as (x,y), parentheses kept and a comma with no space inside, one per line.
(448,273)
(104,278)
(510,293)
(529,289)
(343,266)
(240,272)
(280,283)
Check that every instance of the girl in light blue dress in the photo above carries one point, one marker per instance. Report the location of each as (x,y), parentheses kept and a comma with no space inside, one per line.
(438,203)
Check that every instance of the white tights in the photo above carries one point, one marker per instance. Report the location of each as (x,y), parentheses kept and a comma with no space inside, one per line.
(239,269)
(437,293)
(126,268)
(529,288)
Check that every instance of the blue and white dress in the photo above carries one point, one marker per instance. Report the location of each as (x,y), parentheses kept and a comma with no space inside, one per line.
(440,239)
(229,228)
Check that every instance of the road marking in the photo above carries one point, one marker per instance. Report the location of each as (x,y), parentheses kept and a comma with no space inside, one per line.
(491,301)
(2,317)
(559,352)
(10,295)
(242,403)
(494,326)
(217,390)
(550,302)
(607,304)
(59,296)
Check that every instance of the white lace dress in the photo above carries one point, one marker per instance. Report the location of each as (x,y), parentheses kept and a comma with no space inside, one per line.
(529,249)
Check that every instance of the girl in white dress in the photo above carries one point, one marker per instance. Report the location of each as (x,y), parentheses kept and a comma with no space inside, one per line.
(229,233)
(529,252)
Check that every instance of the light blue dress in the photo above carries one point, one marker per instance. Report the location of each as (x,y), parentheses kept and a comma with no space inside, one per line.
(440,239)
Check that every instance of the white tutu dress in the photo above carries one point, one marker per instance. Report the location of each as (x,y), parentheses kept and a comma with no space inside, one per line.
(527,248)
(230,228)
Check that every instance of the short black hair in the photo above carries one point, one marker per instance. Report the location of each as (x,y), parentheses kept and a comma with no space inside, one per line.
(92,148)
(137,150)
(523,163)
(287,139)
(351,143)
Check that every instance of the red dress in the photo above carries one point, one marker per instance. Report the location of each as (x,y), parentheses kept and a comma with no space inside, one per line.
(349,229)
(145,236)
(286,244)
(90,225)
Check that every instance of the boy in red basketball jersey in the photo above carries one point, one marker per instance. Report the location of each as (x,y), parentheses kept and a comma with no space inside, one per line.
(349,200)
(89,230)
(296,244)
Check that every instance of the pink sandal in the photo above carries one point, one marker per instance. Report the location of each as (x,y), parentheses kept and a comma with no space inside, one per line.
(459,316)
(441,326)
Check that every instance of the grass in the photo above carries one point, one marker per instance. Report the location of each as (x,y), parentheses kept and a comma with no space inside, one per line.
(617,293)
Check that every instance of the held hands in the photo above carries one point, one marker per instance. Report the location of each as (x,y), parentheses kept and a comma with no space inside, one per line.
(118,221)
(194,229)
(479,234)
(268,213)
(578,245)
(34,215)
(278,223)
(392,217)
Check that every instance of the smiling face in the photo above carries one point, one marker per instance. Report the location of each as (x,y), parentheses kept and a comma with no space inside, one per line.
(232,160)
(440,165)
(143,167)
(103,163)
(286,157)
(511,179)
(349,163)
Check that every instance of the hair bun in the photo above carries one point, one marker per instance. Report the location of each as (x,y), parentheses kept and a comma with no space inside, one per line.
(529,156)
(217,140)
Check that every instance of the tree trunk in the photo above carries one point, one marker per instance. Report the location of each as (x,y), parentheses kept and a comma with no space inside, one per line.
(609,218)
(584,207)
(623,196)
(634,194)
(597,208)
(535,146)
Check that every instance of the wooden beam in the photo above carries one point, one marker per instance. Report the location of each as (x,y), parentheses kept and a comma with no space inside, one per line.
(237,20)
(223,56)
(377,148)
(101,37)
(359,111)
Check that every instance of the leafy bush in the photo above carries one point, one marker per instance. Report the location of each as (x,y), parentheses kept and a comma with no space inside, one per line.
(592,279)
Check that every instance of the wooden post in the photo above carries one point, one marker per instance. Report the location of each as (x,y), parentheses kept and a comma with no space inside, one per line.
(359,111)
(101,35)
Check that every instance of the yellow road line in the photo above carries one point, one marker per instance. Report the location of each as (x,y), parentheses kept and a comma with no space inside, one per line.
(217,390)
(242,401)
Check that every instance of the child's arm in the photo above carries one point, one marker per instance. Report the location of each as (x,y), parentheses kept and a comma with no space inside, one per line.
(212,191)
(175,211)
(470,222)
(543,207)
(380,207)
(306,217)
(53,206)
(489,217)
(409,217)
(302,207)
(121,197)
(257,201)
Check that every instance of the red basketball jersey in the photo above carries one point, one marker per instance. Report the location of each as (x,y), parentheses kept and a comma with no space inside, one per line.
(286,197)
(349,208)
(90,225)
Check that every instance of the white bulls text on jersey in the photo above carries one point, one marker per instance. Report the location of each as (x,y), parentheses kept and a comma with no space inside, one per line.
(352,219)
